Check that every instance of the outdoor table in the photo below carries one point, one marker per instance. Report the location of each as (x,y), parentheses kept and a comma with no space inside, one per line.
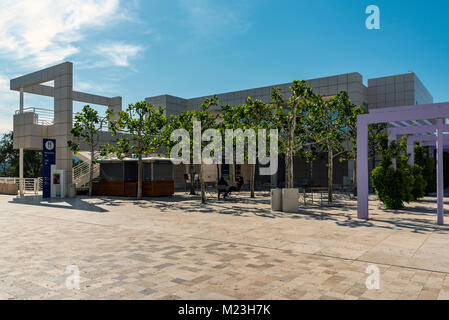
(312,189)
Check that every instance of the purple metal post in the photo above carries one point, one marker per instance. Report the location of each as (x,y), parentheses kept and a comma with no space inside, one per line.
(362,168)
(440,180)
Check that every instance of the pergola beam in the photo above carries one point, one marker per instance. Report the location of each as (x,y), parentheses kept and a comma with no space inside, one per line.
(416,129)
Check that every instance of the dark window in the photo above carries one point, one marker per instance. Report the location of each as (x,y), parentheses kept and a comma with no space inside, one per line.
(111,171)
(146,171)
(163,171)
(130,171)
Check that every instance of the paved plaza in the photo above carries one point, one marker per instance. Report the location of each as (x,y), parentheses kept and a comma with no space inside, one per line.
(176,248)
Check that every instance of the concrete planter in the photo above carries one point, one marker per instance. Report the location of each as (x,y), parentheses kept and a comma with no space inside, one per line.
(72,191)
(276,199)
(8,188)
(290,200)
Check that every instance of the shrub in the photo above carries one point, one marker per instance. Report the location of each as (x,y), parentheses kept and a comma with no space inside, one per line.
(428,166)
(419,183)
(395,186)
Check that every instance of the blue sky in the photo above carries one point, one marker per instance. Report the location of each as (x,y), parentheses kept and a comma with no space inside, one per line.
(192,48)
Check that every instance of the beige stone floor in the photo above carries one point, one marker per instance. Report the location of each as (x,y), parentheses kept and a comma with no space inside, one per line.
(176,248)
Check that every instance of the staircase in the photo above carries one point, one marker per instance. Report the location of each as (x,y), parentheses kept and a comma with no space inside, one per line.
(80,173)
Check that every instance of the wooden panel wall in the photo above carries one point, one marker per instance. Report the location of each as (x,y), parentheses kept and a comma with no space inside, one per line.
(129,189)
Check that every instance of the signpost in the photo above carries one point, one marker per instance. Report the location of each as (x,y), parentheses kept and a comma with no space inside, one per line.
(48,159)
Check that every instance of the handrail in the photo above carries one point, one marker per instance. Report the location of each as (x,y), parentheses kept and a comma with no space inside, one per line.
(41,116)
(29,184)
(81,173)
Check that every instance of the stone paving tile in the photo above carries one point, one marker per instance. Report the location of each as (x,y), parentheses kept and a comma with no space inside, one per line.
(178,249)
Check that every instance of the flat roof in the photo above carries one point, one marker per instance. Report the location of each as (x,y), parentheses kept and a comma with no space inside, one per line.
(147,159)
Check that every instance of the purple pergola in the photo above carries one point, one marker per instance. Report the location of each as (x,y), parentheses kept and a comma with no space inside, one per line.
(412,118)
(424,134)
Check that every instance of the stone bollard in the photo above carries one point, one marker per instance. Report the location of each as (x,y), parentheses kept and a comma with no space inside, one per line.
(276,199)
(290,200)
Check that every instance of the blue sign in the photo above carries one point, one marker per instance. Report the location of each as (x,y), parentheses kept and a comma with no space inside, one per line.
(48,159)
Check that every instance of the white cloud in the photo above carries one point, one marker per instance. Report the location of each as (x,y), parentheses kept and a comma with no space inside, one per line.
(5,123)
(39,33)
(9,100)
(118,53)
(209,18)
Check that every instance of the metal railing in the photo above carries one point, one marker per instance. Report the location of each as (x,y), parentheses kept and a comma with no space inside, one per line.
(81,173)
(41,116)
(46,117)
(30,185)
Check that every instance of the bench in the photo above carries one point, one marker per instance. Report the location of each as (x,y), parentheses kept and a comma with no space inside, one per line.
(320,190)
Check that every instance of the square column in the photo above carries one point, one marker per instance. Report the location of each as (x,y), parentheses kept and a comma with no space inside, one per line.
(63,95)
(115,106)
(362,168)
(21,181)
(440,178)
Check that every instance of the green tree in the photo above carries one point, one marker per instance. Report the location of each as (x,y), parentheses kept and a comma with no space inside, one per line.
(333,121)
(351,134)
(428,166)
(393,185)
(186,121)
(183,120)
(208,121)
(377,140)
(86,129)
(9,159)
(292,117)
(253,115)
(140,129)
(419,183)
(7,153)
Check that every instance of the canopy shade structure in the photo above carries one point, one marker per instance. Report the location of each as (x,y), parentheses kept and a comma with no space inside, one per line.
(399,117)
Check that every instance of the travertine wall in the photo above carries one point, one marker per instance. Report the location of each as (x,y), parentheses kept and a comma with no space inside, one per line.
(398,90)
(28,134)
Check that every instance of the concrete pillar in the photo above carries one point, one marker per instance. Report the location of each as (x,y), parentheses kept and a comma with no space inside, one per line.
(115,107)
(63,97)
(21,182)
(21,100)
(362,169)
(440,178)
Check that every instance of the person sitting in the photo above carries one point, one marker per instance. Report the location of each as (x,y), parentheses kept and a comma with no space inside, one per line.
(226,189)
(222,187)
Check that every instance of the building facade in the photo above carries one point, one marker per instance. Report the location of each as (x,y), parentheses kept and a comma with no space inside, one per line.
(398,90)
(32,125)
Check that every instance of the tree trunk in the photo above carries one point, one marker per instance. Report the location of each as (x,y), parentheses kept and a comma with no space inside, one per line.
(354,178)
(203,191)
(330,174)
(139,178)
(289,155)
(289,170)
(192,179)
(232,174)
(252,178)
(91,169)
(311,173)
